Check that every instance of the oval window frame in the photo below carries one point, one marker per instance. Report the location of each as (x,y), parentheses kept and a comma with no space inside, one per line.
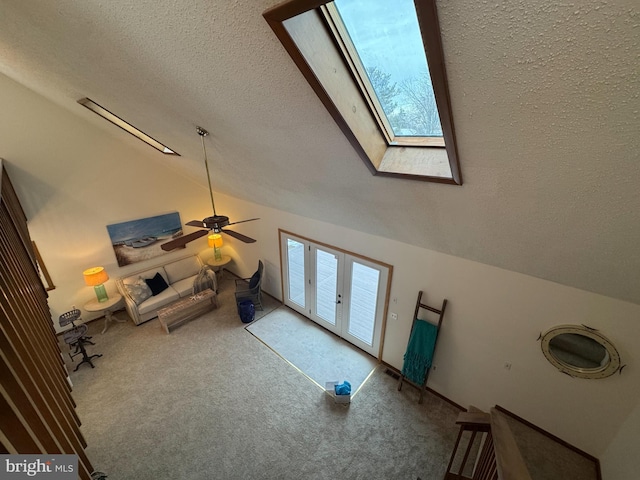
(592,373)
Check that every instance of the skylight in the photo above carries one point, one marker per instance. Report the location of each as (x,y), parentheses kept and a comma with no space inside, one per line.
(384,42)
(127,127)
(378,67)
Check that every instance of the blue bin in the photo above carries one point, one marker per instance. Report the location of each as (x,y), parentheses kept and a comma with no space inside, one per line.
(247,311)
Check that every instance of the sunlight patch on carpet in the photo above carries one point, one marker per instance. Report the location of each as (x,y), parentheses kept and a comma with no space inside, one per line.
(320,355)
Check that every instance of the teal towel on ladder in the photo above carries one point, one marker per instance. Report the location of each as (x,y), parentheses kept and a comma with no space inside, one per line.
(419,354)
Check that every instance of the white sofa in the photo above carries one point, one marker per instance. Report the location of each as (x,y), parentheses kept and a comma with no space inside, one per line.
(178,274)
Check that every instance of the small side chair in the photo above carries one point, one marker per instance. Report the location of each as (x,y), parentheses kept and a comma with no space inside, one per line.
(249,288)
(76,337)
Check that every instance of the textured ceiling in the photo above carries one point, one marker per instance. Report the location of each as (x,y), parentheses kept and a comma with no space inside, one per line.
(545,100)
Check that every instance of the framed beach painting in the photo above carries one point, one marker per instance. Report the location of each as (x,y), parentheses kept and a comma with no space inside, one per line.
(139,240)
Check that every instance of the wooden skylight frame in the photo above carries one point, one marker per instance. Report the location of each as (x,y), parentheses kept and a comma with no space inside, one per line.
(306,35)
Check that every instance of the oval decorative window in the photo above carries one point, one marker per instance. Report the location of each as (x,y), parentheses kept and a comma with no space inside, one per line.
(580,351)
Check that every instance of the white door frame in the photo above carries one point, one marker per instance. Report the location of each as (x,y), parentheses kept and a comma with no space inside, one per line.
(343,303)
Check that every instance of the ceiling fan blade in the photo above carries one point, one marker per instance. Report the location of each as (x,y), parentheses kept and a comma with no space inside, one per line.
(239,236)
(196,223)
(183,240)
(241,221)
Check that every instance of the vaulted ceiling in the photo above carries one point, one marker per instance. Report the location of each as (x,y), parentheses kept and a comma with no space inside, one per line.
(546,106)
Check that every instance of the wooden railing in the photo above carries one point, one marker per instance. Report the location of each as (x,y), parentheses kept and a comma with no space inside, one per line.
(37,413)
(491,452)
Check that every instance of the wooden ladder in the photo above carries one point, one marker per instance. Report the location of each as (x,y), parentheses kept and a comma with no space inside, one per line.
(440,313)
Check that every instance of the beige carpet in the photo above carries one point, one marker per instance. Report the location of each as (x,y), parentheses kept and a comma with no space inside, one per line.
(209,401)
(546,460)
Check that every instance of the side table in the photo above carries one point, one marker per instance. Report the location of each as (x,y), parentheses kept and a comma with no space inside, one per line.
(107,307)
(218,265)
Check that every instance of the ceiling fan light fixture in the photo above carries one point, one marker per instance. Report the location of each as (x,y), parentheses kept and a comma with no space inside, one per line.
(127,127)
(213,224)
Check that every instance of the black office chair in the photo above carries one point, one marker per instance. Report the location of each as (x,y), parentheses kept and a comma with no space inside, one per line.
(76,337)
(249,288)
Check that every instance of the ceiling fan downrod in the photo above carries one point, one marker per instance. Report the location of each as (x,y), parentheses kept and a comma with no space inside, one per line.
(203,133)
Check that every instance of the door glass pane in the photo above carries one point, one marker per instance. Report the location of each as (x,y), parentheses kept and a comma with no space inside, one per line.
(295,256)
(364,297)
(326,284)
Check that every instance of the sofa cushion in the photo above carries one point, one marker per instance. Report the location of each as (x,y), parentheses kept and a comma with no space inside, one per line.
(158,301)
(157,284)
(139,291)
(184,287)
(181,269)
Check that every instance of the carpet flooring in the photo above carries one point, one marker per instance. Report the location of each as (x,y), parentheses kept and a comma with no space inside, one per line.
(210,401)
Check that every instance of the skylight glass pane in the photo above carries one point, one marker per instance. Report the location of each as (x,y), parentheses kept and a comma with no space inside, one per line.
(387,38)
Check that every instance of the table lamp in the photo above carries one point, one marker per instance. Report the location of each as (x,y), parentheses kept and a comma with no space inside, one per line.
(215,242)
(95,277)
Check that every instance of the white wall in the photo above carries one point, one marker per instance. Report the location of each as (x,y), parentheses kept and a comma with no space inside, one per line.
(73,180)
(494,316)
(59,162)
(621,461)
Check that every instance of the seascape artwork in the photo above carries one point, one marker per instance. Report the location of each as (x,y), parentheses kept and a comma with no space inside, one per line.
(141,239)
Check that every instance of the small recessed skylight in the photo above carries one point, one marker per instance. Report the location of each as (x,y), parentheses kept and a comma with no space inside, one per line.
(107,115)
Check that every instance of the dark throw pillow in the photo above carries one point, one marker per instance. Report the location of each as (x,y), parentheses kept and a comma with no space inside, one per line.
(255,279)
(156,284)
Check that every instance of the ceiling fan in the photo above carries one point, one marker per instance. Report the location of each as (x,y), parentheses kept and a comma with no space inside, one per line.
(215,223)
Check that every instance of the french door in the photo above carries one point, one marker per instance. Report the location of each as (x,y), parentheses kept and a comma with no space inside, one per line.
(343,293)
